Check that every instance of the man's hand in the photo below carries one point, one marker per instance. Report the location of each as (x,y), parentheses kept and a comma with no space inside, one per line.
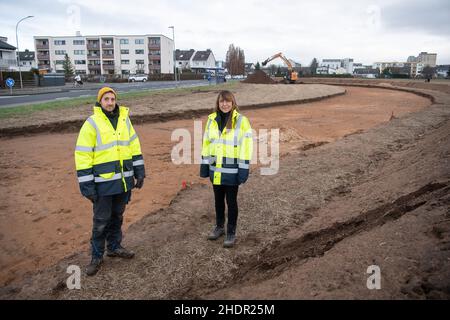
(139,183)
(92,197)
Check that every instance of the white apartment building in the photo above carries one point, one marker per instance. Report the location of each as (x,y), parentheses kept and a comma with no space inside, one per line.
(107,54)
(428,59)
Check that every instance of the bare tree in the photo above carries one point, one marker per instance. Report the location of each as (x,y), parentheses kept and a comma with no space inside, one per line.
(235,60)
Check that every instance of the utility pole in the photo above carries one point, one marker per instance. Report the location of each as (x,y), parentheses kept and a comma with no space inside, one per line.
(174,55)
(18,55)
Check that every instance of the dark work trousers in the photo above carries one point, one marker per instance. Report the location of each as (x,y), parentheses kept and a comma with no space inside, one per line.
(108,218)
(230,193)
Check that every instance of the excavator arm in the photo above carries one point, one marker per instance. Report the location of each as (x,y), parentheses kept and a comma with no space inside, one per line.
(282,57)
(292,75)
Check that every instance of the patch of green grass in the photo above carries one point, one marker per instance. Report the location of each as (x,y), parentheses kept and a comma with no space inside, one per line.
(28,109)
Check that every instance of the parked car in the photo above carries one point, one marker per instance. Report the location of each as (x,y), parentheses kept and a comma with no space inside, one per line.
(138,77)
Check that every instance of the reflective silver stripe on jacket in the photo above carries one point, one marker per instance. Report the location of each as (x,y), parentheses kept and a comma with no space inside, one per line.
(208,159)
(237,130)
(117,176)
(86,178)
(84,149)
(224,170)
(138,163)
(99,137)
(244,166)
(128,126)
(133,137)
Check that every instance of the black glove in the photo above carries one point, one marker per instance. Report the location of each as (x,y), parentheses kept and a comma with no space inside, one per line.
(92,197)
(139,183)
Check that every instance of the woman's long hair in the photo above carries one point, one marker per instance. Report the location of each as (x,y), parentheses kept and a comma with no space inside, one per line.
(228,96)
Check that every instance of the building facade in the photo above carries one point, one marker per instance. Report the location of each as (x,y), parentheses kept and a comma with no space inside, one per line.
(107,54)
(8,60)
(335,66)
(27,60)
(184,59)
(203,60)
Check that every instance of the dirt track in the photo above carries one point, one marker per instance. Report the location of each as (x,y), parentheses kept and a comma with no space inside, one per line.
(333,206)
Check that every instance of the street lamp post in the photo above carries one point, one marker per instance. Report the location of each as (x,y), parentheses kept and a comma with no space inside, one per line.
(174,54)
(18,55)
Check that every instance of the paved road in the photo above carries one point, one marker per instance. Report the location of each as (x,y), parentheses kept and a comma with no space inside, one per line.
(12,101)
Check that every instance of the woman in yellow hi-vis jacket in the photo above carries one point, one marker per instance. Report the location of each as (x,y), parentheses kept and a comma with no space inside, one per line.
(108,159)
(226,154)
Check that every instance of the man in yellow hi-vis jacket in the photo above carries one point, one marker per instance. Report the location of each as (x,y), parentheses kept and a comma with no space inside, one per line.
(108,159)
(226,154)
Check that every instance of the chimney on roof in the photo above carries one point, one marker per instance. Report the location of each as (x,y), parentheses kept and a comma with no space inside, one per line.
(78,33)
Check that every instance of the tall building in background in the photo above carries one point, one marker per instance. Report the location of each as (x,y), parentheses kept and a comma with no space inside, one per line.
(106,54)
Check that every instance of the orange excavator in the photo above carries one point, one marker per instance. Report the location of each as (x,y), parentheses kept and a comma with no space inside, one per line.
(292,75)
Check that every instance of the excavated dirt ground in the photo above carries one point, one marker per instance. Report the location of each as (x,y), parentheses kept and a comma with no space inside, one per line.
(166,105)
(259,77)
(377,196)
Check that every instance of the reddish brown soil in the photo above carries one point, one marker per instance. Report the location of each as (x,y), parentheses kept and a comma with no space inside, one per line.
(259,77)
(44,218)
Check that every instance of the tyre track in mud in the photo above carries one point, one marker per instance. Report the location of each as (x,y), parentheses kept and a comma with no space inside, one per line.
(271,262)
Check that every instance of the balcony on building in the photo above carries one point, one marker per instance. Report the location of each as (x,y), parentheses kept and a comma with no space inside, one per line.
(93,44)
(107,43)
(42,44)
(44,55)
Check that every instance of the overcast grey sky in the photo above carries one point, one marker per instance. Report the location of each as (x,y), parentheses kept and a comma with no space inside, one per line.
(368,31)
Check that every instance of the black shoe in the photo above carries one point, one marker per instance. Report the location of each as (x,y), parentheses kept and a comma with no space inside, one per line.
(94,266)
(120,253)
(229,241)
(216,233)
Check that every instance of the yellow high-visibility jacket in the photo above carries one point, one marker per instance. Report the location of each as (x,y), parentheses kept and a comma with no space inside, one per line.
(226,155)
(106,159)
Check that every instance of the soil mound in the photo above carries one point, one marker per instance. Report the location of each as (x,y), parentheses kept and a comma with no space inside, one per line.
(259,77)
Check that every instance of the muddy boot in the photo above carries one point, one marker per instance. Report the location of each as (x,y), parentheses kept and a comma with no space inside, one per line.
(121,253)
(216,233)
(94,266)
(229,240)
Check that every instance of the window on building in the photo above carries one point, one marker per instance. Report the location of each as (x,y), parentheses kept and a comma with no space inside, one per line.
(139,41)
(139,61)
(139,51)
(155,52)
(59,62)
(125,61)
(60,52)
(80,61)
(78,42)
(78,52)
(125,51)
(123,41)
(59,42)
(154,41)
(125,72)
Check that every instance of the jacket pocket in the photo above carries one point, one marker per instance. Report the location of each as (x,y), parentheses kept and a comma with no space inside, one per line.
(108,175)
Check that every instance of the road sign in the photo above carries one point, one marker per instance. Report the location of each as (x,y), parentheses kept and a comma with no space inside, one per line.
(10,82)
